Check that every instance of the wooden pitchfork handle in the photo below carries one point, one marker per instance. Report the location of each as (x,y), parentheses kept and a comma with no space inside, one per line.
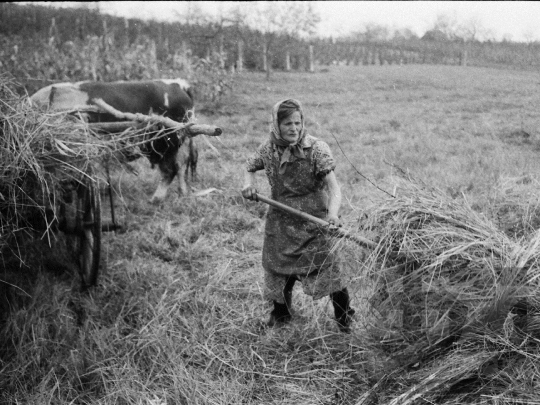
(340,232)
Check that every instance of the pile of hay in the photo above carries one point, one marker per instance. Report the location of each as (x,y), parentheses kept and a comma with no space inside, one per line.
(40,155)
(515,205)
(455,302)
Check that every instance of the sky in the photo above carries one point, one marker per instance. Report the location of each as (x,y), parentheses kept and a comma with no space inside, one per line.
(517,20)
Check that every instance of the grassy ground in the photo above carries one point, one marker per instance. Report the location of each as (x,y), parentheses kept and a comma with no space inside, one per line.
(177,317)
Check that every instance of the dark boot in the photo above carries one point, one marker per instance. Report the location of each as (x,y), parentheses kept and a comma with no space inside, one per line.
(279,315)
(282,312)
(287,292)
(342,310)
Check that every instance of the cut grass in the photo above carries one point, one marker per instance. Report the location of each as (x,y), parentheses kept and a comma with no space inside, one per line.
(177,316)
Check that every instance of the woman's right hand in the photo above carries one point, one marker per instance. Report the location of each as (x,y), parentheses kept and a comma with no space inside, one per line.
(250,193)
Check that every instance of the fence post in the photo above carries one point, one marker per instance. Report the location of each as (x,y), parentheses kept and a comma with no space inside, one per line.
(104,35)
(81,26)
(240,60)
(182,59)
(153,55)
(53,32)
(367,57)
(463,58)
(221,51)
(94,59)
(165,48)
(375,56)
(287,61)
(126,32)
(311,64)
(265,57)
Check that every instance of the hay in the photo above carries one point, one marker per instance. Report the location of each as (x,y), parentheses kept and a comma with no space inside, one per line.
(514,205)
(450,293)
(43,155)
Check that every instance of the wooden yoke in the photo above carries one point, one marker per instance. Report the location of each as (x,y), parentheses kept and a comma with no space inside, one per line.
(189,129)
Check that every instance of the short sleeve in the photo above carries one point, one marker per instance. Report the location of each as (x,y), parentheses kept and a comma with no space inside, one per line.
(323,160)
(255,162)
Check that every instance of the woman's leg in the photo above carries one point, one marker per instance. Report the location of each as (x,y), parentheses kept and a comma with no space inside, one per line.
(342,309)
(282,312)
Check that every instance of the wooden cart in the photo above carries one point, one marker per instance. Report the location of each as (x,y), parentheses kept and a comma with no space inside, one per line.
(79,217)
(80,213)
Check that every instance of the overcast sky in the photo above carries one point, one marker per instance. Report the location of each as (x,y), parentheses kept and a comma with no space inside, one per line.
(518,19)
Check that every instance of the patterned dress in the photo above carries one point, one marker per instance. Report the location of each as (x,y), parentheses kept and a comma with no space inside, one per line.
(292,245)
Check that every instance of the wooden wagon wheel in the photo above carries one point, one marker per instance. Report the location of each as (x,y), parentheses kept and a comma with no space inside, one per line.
(88,232)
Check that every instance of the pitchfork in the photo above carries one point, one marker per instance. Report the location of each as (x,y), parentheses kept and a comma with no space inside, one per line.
(337,230)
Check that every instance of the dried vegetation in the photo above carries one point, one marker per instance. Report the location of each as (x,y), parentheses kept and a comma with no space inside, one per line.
(454,306)
(446,305)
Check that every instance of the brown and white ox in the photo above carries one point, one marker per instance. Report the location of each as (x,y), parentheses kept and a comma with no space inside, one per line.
(171,98)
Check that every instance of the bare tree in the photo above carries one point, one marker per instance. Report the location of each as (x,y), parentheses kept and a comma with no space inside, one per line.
(376,32)
(507,37)
(273,18)
(529,36)
(448,25)
(404,34)
(195,15)
(372,32)
(91,5)
(472,30)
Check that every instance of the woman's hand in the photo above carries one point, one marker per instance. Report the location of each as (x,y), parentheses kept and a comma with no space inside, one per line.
(333,220)
(250,193)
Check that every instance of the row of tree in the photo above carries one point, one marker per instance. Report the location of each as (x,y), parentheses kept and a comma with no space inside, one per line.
(46,43)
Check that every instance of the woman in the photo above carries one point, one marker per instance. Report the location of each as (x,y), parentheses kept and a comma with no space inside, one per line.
(300,170)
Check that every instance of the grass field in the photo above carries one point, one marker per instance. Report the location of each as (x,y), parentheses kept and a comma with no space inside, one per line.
(178,315)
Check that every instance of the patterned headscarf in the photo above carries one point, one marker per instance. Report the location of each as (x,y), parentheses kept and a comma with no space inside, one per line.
(291,149)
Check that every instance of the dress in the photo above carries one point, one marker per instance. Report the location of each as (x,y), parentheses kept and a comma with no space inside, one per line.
(294,246)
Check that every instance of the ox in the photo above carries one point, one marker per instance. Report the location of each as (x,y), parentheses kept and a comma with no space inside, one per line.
(169,98)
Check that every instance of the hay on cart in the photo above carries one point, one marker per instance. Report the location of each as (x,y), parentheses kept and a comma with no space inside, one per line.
(44,152)
(42,155)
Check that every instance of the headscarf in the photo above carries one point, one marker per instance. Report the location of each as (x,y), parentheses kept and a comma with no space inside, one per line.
(291,149)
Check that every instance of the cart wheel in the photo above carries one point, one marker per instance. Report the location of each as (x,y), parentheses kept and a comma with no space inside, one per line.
(89,233)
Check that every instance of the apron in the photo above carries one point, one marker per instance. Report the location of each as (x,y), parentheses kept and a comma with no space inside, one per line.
(292,245)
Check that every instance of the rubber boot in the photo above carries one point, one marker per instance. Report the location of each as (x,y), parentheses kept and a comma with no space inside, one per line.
(279,315)
(287,293)
(342,310)
(282,312)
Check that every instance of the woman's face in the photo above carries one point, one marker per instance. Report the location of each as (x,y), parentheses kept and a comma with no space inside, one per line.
(290,127)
